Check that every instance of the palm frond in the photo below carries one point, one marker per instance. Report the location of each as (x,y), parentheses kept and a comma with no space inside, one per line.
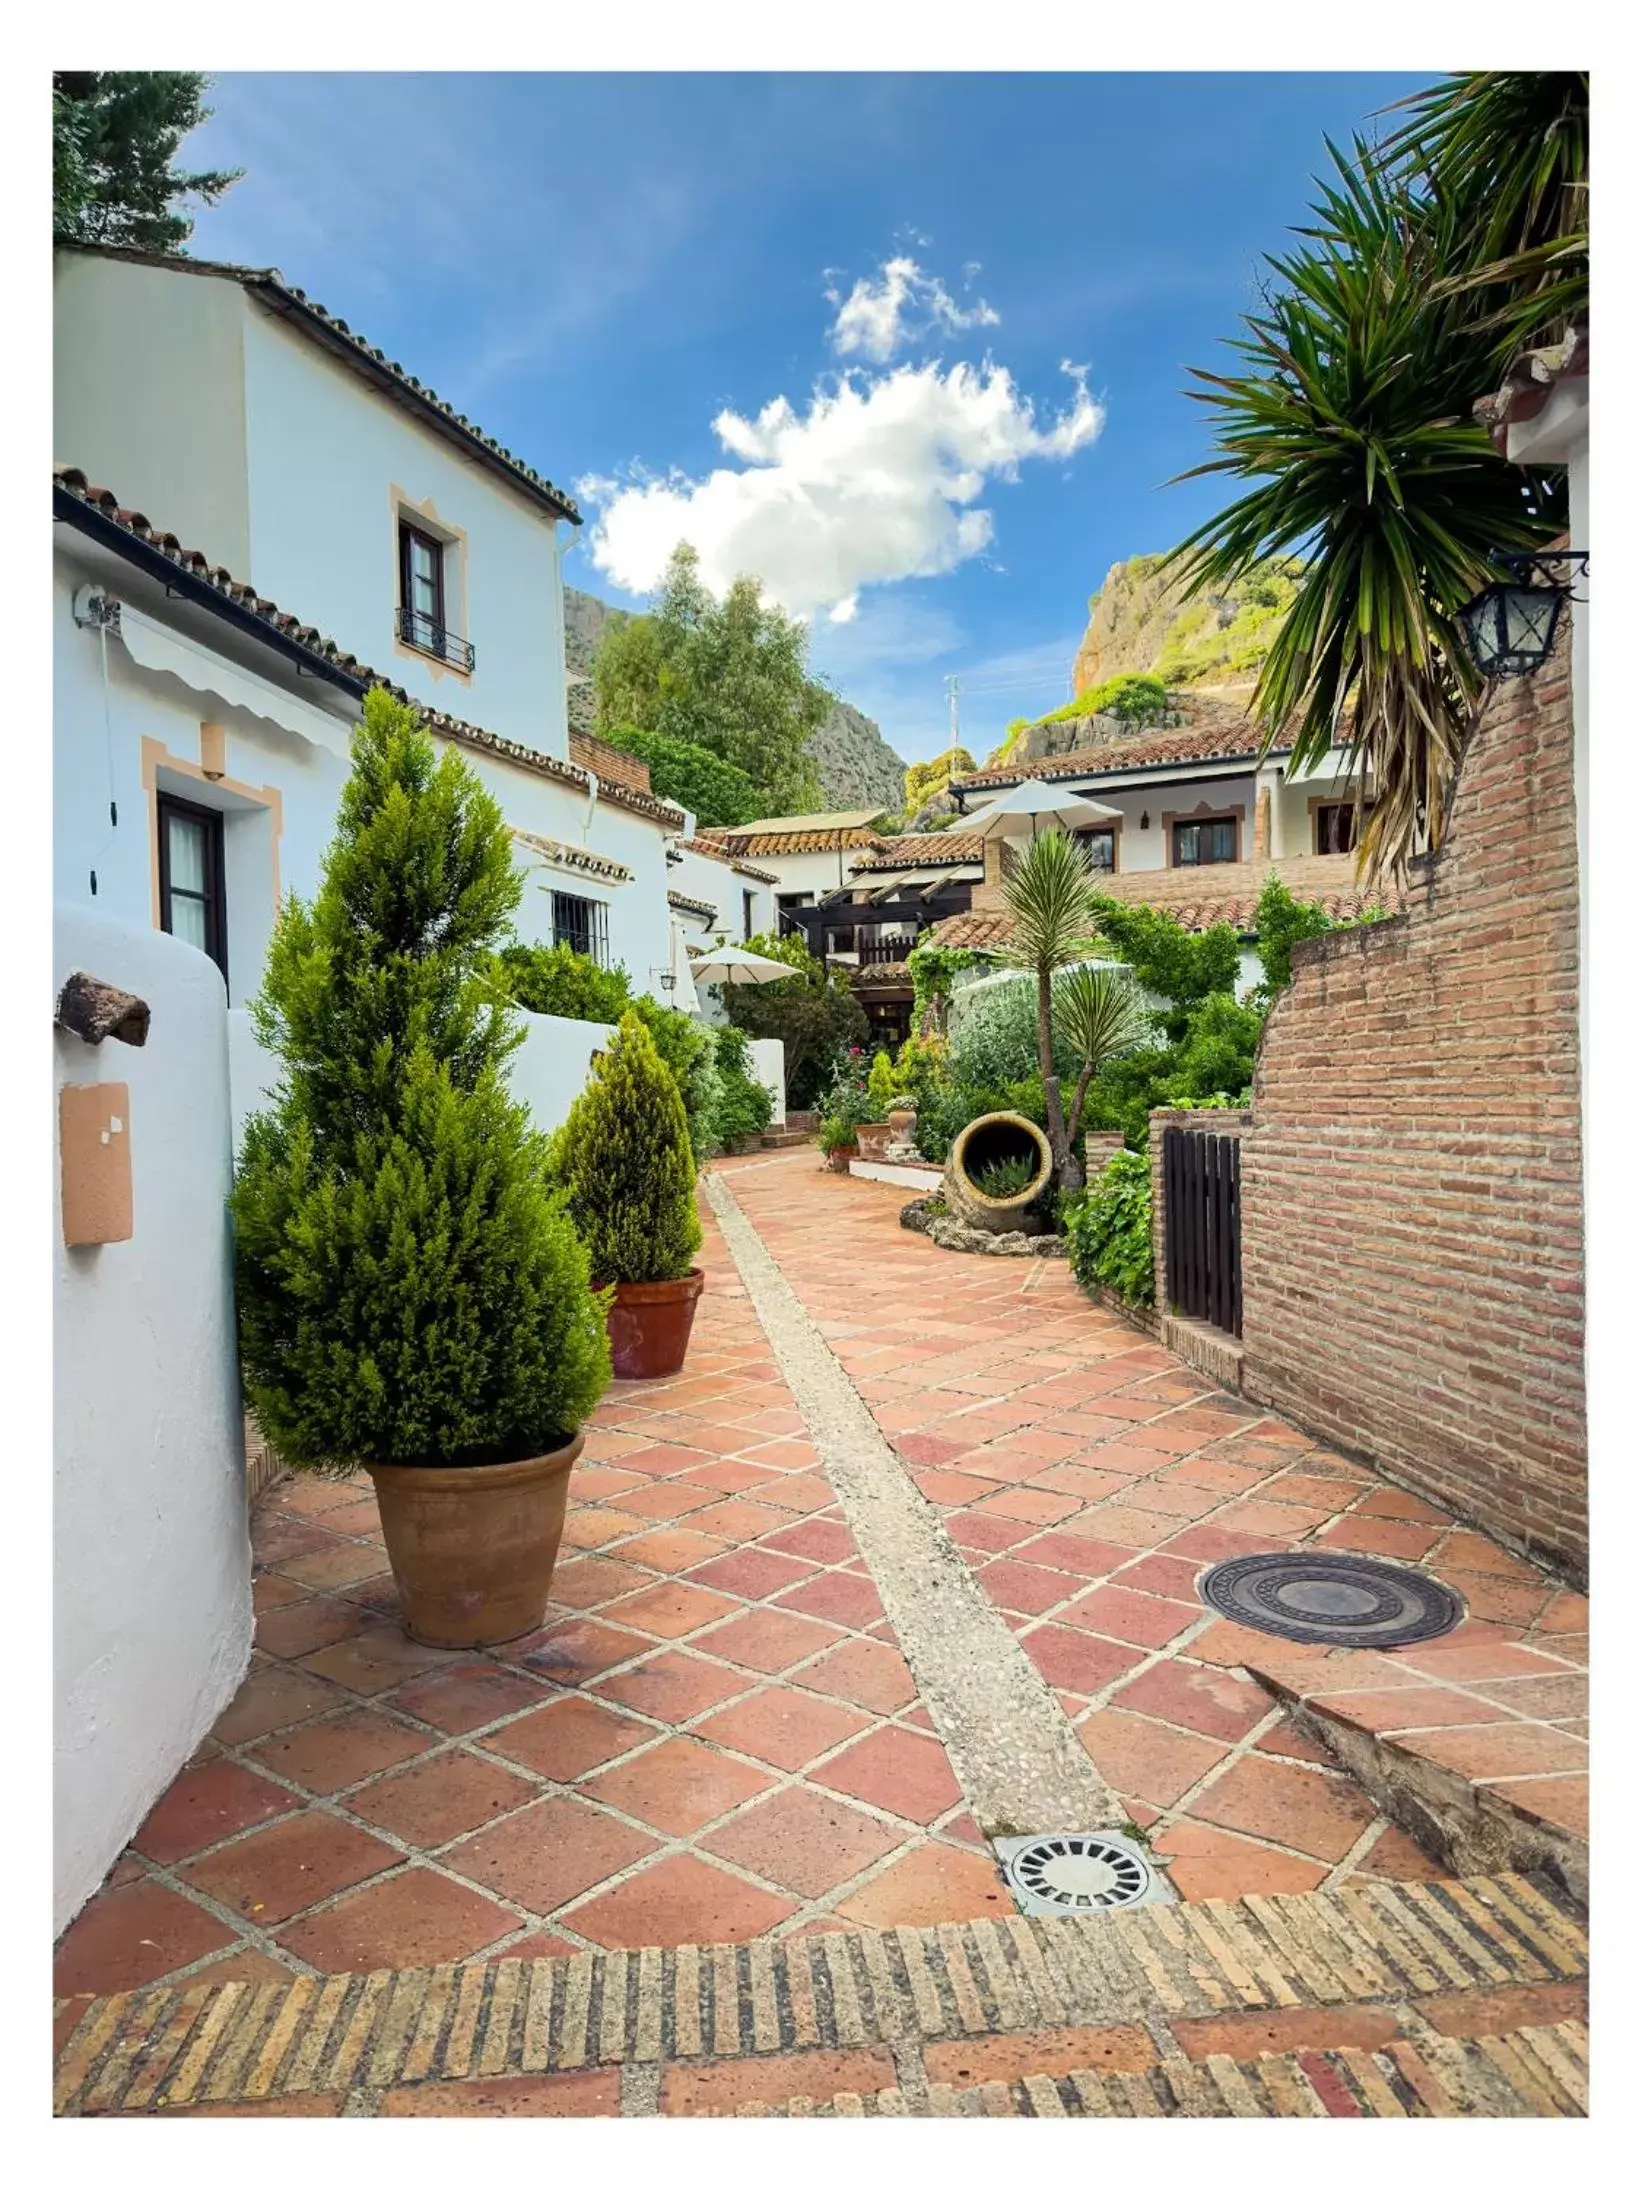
(1049,889)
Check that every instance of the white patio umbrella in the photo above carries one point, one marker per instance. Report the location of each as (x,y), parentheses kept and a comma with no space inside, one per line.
(1020,811)
(738,968)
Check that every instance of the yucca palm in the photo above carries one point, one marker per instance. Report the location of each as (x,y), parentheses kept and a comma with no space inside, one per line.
(1511,153)
(1100,1016)
(1050,890)
(1355,415)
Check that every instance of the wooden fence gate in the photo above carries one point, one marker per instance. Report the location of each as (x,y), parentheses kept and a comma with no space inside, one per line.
(1202,1235)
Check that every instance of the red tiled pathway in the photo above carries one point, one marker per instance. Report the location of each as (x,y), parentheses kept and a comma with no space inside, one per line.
(714,1735)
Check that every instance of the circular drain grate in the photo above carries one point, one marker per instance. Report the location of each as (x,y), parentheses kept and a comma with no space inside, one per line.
(1350,1603)
(1078,1873)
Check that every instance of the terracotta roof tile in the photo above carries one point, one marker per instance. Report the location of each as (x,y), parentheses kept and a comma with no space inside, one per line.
(69,481)
(938,847)
(765,846)
(711,849)
(298,308)
(990,930)
(681,903)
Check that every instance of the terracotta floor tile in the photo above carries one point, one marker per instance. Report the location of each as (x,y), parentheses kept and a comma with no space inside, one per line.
(756,1573)
(417,1919)
(1019,1586)
(1394,1854)
(1413,1708)
(375,1660)
(1314,1813)
(677,1786)
(1512,1750)
(804,1841)
(1380,1538)
(581,1584)
(585,2093)
(677,1902)
(825,1542)
(782,1726)
(1206,1864)
(799,1493)
(1199,1698)
(869,1674)
(433,1801)
(552,1852)
(340,1751)
(845,1598)
(471,1692)
(1562,1695)
(1085,1556)
(663,1500)
(1142,1756)
(1126,1615)
(669,1550)
(672,1686)
(767,1641)
(733,1477)
(566,1738)
(134,1936)
(594,1527)
(1560,1801)
(270,1590)
(248,1966)
(577,1650)
(903,1772)
(675,1608)
(931,1884)
(291,1630)
(1164,1574)
(204,1805)
(328,1569)
(1124,1525)
(288,1866)
(276,1536)
(1084,1663)
(273,1696)
(1039,1507)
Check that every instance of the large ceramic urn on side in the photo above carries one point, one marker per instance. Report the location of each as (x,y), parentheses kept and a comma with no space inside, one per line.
(1002,1136)
(473,1548)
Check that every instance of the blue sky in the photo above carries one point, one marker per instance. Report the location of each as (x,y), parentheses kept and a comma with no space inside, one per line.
(618,276)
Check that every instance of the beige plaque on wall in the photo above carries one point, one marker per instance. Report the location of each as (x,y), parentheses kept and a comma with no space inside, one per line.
(94,1143)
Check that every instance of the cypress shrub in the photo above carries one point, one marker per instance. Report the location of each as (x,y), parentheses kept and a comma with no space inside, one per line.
(411,1290)
(623,1156)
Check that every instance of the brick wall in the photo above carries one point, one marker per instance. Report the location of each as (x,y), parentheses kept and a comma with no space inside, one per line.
(608,762)
(1412,1229)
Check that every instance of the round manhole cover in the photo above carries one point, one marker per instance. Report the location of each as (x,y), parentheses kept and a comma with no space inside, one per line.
(1349,1603)
(1078,1873)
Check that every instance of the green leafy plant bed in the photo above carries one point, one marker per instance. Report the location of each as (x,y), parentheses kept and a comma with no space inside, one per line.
(1109,1231)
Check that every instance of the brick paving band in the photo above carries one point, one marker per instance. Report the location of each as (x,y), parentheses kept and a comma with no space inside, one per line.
(1147,1975)
(1010,1744)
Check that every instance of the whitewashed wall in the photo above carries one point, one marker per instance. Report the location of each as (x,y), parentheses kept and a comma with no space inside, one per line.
(152,1564)
(714,883)
(770,1065)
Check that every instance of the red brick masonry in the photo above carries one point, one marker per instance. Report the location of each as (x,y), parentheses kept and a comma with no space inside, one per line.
(1412,1215)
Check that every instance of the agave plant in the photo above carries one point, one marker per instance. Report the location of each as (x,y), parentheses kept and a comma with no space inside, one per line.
(1100,1016)
(1050,889)
(1354,414)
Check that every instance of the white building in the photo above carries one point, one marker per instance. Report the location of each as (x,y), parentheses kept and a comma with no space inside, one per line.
(229,446)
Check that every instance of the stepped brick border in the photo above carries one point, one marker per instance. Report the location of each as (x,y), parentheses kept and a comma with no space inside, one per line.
(700,2028)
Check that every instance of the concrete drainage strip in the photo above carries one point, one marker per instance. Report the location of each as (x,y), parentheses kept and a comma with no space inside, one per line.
(1010,1745)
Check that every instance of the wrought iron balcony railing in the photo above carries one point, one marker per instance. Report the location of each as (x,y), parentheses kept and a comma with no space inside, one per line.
(429,637)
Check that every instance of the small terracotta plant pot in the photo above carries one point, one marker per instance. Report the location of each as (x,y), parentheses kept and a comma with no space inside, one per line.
(650,1326)
(473,1548)
(840,1159)
(872,1140)
(903,1121)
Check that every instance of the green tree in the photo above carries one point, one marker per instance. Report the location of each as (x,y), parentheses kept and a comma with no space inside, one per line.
(1101,1018)
(719,794)
(623,1157)
(730,676)
(114,135)
(409,1289)
(927,779)
(1352,409)
(1177,967)
(813,1015)
(1050,893)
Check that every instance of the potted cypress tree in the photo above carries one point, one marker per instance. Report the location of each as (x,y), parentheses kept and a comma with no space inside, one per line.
(623,1157)
(413,1298)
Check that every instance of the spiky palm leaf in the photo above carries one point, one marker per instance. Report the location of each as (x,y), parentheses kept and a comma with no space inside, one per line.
(1511,153)
(1354,413)
(1101,1016)
(1049,888)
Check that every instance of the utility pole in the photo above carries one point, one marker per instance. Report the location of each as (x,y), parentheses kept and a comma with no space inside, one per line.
(952,709)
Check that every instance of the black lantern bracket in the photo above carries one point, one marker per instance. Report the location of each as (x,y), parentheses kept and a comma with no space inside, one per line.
(1540,571)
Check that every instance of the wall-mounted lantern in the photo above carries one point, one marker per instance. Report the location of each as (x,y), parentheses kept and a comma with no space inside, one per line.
(1511,627)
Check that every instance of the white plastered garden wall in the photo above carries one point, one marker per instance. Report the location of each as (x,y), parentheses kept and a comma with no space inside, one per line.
(152,1580)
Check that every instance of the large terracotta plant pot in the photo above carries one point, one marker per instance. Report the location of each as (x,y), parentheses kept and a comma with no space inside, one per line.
(840,1159)
(650,1326)
(872,1141)
(473,1548)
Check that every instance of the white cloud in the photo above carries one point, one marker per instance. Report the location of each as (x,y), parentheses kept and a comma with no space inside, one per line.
(905,305)
(879,478)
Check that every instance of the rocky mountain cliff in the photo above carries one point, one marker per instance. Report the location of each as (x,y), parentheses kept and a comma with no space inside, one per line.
(857,767)
(1141,621)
